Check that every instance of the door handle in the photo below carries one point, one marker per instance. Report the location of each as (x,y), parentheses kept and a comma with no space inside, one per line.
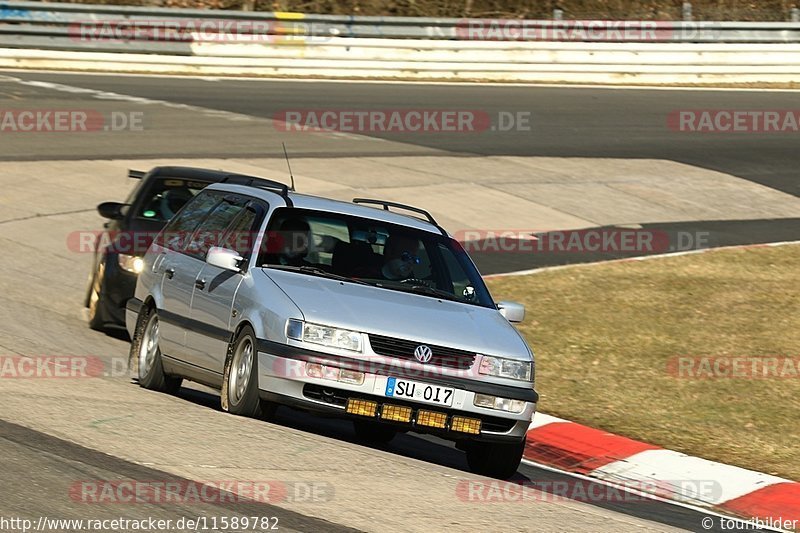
(200,284)
(169,272)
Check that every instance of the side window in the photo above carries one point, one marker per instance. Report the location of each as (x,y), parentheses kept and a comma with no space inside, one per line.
(240,235)
(177,232)
(211,230)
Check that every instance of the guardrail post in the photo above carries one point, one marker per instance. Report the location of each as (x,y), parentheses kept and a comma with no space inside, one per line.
(687,11)
(794,14)
(558,14)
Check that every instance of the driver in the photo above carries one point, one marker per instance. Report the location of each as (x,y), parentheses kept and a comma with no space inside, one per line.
(172,200)
(295,234)
(400,256)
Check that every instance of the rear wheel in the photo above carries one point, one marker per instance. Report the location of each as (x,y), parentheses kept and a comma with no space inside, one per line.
(146,355)
(499,460)
(373,433)
(239,394)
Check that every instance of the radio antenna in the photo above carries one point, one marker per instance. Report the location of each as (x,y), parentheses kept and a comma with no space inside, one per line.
(291,176)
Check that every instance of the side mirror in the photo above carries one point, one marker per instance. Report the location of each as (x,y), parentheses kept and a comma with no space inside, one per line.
(512,311)
(111,210)
(225,259)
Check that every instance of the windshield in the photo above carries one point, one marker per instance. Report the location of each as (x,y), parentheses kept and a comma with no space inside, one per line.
(165,197)
(367,251)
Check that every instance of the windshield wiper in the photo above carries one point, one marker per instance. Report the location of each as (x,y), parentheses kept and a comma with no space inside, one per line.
(315,271)
(425,289)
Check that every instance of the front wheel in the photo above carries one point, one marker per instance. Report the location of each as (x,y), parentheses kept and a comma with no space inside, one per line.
(146,355)
(94,298)
(239,394)
(499,460)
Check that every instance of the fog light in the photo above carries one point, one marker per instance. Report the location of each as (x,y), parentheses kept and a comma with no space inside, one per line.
(396,413)
(351,376)
(314,370)
(501,404)
(361,407)
(431,419)
(484,400)
(466,425)
(330,372)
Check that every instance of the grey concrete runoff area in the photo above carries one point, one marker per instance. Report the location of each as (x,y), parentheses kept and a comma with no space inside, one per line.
(593,167)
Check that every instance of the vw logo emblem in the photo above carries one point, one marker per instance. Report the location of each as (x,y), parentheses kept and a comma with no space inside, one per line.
(423,353)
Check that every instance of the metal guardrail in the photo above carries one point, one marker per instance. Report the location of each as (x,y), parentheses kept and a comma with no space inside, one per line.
(26,23)
(103,38)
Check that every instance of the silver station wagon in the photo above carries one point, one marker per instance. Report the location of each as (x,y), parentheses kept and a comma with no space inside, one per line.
(279,298)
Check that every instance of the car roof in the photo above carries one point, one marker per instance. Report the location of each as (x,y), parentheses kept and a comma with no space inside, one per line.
(320,203)
(190,173)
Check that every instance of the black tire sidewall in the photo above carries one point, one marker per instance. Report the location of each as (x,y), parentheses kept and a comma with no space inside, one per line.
(154,379)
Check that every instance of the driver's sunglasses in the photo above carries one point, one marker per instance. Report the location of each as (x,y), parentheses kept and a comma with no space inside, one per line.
(406,257)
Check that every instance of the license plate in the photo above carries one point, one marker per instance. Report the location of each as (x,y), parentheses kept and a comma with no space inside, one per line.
(419,392)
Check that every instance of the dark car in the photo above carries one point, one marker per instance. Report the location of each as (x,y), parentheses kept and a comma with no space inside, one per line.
(130,229)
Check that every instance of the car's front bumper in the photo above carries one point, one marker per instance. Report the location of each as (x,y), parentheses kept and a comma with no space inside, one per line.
(118,287)
(282,377)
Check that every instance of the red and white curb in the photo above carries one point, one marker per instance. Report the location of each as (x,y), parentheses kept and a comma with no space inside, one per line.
(579,449)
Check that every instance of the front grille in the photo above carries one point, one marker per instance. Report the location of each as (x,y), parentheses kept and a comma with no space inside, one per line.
(404,349)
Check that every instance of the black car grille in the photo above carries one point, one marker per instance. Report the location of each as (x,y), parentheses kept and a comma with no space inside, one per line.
(404,349)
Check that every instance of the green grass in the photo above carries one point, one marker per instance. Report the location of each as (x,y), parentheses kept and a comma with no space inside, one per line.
(603,336)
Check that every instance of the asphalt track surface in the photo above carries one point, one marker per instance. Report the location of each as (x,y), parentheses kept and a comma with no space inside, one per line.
(566,122)
(569,122)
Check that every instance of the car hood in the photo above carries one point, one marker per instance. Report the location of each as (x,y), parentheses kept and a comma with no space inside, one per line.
(402,315)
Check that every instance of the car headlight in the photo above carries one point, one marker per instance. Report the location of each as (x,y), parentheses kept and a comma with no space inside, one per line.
(131,263)
(324,335)
(505,368)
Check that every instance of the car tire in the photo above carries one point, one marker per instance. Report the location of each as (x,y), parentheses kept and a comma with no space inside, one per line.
(373,432)
(145,355)
(94,298)
(240,394)
(499,460)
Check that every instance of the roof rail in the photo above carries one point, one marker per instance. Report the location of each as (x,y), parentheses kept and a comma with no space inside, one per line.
(261,183)
(136,174)
(387,204)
